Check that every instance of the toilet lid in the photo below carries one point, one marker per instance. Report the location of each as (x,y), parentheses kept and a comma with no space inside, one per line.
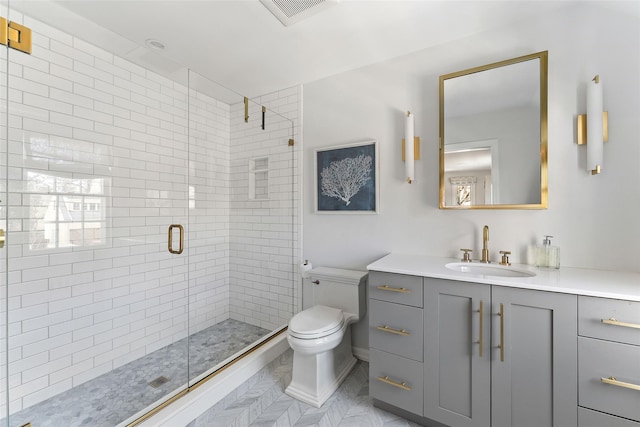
(316,320)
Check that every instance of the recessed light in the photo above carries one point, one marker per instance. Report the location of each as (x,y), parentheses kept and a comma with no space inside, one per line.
(155,44)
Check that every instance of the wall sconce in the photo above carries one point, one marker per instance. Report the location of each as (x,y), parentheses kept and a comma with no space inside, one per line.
(593,127)
(410,152)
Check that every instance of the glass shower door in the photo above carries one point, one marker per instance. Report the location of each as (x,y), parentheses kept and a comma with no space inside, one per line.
(241,217)
(4,380)
(97,304)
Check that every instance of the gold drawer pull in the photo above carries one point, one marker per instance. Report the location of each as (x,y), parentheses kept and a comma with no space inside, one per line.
(501,346)
(402,332)
(481,311)
(389,288)
(401,385)
(615,322)
(614,381)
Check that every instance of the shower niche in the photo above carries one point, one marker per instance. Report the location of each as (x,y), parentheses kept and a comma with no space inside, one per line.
(259,178)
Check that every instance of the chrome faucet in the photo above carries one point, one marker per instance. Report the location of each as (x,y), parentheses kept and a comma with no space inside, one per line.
(485,244)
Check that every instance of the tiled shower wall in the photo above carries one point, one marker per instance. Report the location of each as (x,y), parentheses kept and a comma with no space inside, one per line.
(265,224)
(103,156)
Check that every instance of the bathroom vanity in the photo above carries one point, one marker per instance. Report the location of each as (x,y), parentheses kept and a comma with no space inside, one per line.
(456,346)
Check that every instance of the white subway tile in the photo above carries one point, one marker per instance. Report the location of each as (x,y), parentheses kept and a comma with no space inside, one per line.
(46,296)
(70,122)
(67,78)
(29,312)
(79,301)
(70,280)
(46,344)
(69,51)
(106,64)
(89,92)
(46,127)
(93,72)
(46,320)
(69,371)
(38,365)
(91,308)
(82,267)
(92,115)
(69,258)
(70,98)
(92,331)
(21,390)
(46,103)
(112,110)
(67,347)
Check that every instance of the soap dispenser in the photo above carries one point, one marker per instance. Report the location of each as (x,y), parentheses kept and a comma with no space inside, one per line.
(547,255)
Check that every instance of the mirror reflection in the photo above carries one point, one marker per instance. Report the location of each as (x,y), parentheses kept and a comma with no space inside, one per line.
(493,135)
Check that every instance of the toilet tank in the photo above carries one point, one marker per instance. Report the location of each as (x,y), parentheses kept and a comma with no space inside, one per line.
(339,288)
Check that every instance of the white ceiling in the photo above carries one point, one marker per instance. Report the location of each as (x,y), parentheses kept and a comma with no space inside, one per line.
(242,46)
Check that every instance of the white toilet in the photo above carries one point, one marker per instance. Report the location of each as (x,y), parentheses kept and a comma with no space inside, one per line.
(320,336)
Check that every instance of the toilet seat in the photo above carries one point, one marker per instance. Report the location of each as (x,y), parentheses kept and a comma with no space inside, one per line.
(315,322)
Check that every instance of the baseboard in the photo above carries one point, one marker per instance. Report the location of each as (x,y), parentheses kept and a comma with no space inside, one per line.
(196,402)
(361,353)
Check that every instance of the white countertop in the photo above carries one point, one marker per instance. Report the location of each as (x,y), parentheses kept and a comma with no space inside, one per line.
(577,281)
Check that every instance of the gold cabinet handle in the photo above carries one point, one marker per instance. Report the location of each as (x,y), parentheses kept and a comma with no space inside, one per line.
(2,238)
(402,332)
(389,288)
(614,381)
(501,346)
(401,385)
(170,244)
(615,322)
(480,311)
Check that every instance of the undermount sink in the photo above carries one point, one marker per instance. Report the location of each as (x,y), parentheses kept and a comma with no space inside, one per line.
(488,269)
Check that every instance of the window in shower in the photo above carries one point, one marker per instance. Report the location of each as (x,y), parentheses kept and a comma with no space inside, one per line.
(65,212)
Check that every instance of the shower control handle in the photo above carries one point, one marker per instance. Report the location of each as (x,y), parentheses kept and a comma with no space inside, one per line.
(316,282)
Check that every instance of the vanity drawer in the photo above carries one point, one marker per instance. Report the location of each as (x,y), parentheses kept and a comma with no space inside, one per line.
(589,418)
(603,359)
(399,288)
(396,329)
(592,311)
(388,372)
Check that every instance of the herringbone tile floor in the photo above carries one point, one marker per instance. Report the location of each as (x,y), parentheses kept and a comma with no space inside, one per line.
(261,401)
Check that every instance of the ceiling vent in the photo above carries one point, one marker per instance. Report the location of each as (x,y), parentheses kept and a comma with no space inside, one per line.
(291,11)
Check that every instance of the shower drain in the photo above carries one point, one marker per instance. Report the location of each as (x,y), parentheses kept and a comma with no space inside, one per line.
(158,382)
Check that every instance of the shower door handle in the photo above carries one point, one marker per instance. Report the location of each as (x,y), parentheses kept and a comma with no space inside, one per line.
(170,244)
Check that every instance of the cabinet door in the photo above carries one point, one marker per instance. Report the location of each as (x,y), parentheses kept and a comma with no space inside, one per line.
(534,380)
(457,377)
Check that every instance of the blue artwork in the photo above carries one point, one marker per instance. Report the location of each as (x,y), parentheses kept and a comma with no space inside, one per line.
(346,178)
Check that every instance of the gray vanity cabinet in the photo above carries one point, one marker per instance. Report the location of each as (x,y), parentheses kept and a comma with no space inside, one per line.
(457,373)
(497,356)
(533,374)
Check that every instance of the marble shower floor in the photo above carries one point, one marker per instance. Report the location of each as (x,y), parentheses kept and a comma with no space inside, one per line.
(115,396)
(261,402)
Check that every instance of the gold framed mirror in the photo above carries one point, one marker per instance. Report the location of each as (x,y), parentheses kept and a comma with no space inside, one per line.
(493,135)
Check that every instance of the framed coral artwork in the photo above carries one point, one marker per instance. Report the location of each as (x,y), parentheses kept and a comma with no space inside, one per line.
(346,178)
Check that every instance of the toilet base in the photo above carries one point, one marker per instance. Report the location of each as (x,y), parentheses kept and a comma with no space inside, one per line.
(317,376)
